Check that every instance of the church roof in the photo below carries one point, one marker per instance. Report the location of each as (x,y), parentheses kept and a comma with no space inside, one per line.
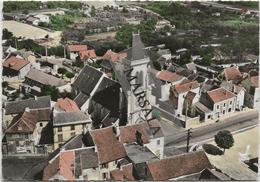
(137,51)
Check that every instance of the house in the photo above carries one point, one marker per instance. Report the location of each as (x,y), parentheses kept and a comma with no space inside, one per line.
(15,67)
(88,55)
(168,79)
(238,90)
(24,132)
(252,95)
(148,134)
(74,50)
(126,173)
(219,102)
(35,80)
(232,74)
(94,93)
(42,18)
(67,125)
(85,85)
(66,105)
(109,150)
(61,168)
(178,93)
(165,53)
(175,167)
(33,20)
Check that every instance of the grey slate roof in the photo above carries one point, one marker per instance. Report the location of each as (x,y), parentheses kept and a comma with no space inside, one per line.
(139,154)
(84,159)
(16,107)
(66,118)
(107,94)
(87,80)
(80,99)
(74,143)
(44,78)
(137,51)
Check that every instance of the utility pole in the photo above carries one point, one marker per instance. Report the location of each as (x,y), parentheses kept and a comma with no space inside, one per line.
(188,139)
(15,42)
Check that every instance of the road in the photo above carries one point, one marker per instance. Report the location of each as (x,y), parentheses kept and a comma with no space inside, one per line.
(233,124)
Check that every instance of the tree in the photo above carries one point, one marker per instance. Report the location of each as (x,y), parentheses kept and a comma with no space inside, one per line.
(62,71)
(69,75)
(52,91)
(93,11)
(224,139)
(7,34)
(26,12)
(4,84)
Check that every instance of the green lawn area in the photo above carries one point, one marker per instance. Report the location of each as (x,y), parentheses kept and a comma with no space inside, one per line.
(61,22)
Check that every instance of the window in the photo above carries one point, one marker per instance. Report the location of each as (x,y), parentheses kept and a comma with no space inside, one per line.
(72,127)
(230,102)
(17,143)
(224,104)
(224,112)
(26,136)
(217,106)
(104,165)
(229,110)
(72,134)
(208,116)
(158,142)
(59,129)
(40,124)
(104,175)
(83,126)
(60,138)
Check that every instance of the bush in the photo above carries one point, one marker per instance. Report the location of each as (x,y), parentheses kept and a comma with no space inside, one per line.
(69,75)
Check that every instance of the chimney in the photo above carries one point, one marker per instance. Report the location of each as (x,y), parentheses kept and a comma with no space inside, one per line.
(27,109)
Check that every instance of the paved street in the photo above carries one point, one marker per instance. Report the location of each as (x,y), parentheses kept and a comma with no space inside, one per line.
(234,123)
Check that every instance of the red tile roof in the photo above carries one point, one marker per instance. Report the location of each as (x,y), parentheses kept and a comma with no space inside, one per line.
(108,147)
(254,81)
(67,105)
(190,96)
(128,172)
(232,73)
(117,175)
(110,55)
(26,122)
(87,54)
(62,165)
(168,76)
(15,63)
(220,94)
(185,87)
(77,48)
(125,174)
(23,124)
(128,133)
(185,164)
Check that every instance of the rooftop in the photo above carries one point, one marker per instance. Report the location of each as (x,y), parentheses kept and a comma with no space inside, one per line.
(139,154)
(173,167)
(77,48)
(87,54)
(44,78)
(220,94)
(108,147)
(168,76)
(185,87)
(15,63)
(232,73)
(16,107)
(68,118)
(66,105)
